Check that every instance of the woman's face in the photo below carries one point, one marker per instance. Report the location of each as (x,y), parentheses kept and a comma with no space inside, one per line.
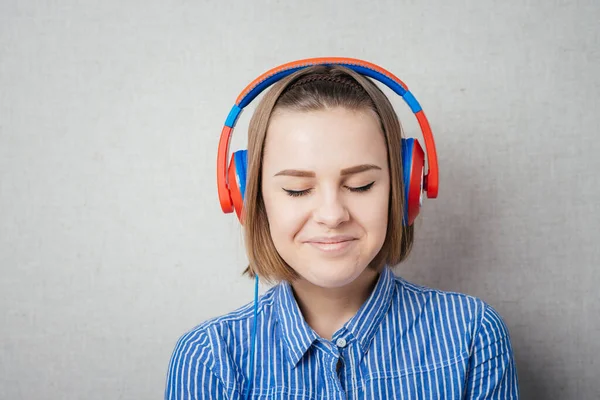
(325,184)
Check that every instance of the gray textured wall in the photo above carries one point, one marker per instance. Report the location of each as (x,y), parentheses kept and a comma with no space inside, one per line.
(112,242)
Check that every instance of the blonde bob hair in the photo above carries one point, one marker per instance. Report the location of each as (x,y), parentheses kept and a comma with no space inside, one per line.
(313,89)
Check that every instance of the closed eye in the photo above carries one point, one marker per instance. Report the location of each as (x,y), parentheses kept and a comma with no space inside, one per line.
(361,188)
(298,193)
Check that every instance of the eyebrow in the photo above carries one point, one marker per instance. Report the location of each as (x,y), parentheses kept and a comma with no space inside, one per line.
(310,174)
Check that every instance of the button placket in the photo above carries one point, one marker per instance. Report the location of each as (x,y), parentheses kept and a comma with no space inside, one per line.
(334,377)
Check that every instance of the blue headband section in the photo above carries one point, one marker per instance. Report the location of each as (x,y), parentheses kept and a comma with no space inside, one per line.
(233,116)
(389,82)
(412,102)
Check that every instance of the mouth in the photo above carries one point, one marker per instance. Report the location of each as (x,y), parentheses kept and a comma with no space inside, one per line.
(332,244)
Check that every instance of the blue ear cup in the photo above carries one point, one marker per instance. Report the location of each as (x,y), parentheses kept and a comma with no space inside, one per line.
(407,153)
(241,168)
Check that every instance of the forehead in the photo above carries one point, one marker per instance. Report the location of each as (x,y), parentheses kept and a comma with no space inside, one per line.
(325,139)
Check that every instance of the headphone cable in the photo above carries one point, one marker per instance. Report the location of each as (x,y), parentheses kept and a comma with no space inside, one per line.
(253,339)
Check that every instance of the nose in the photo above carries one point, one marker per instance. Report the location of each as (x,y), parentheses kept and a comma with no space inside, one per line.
(331,210)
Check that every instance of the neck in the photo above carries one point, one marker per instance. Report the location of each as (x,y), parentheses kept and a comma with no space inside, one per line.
(327,309)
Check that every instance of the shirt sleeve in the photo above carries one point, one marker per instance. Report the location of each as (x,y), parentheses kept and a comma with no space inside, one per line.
(189,378)
(492,371)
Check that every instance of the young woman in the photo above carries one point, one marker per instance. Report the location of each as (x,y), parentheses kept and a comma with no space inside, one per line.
(327,207)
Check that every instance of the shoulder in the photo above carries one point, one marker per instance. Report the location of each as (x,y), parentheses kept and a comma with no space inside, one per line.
(458,330)
(451,311)
(211,343)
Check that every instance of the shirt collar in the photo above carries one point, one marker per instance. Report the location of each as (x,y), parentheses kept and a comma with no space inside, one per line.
(295,331)
(368,318)
(298,336)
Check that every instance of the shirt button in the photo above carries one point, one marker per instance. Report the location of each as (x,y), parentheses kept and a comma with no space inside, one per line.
(341,342)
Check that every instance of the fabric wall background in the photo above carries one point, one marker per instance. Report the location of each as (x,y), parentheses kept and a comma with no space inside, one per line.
(112,242)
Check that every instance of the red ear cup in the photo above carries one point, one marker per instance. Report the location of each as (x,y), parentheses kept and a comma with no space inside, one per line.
(234,188)
(223,189)
(415,184)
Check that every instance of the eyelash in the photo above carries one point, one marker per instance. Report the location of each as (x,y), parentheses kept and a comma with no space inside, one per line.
(298,193)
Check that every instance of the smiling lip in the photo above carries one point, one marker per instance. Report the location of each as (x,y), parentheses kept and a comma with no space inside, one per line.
(330,239)
(332,244)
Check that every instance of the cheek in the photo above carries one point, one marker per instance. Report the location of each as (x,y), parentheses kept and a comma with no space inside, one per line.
(285,219)
(372,214)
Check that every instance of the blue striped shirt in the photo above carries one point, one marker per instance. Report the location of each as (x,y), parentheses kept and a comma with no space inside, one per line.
(405,342)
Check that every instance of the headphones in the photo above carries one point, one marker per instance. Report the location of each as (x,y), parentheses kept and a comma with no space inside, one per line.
(231,180)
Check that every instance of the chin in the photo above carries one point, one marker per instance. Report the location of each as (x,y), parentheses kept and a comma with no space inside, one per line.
(331,274)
